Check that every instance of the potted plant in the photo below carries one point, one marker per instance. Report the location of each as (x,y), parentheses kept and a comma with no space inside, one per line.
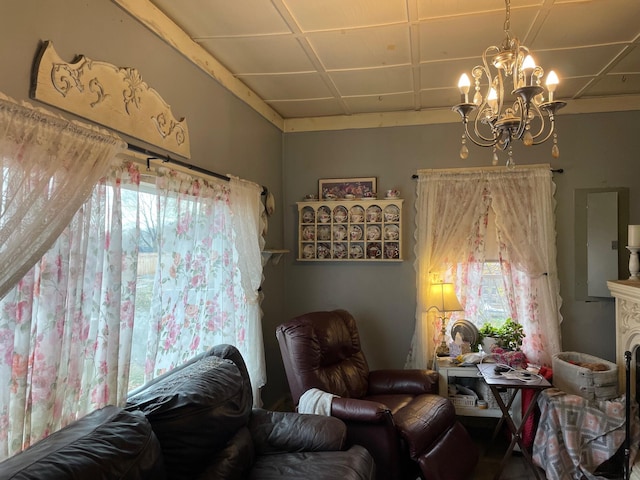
(507,336)
(510,335)
(488,336)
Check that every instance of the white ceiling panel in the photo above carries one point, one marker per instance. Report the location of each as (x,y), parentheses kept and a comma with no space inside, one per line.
(311,58)
(320,107)
(375,81)
(629,61)
(618,84)
(344,14)
(474,35)
(381,103)
(288,87)
(577,62)
(271,54)
(438,8)
(593,22)
(362,48)
(216,18)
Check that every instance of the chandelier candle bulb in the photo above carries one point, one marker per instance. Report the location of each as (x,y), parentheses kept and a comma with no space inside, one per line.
(552,83)
(463,84)
(528,66)
(634,236)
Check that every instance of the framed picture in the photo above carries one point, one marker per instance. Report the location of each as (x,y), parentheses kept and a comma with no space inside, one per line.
(362,187)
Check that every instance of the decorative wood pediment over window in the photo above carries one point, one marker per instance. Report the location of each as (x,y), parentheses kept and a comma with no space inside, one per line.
(111,96)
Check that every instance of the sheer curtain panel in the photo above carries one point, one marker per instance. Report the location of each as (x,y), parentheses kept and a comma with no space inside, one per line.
(452,210)
(209,271)
(66,327)
(48,167)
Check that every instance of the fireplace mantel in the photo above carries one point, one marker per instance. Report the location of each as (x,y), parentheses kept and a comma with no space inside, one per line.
(627,295)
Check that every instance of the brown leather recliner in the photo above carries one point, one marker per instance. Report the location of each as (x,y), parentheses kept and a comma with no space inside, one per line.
(396,414)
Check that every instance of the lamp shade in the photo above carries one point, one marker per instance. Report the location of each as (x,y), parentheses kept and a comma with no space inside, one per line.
(442,296)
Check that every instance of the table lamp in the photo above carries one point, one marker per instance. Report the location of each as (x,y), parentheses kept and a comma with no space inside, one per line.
(442,297)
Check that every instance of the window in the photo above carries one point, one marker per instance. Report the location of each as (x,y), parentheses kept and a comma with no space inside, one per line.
(453,211)
(142,279)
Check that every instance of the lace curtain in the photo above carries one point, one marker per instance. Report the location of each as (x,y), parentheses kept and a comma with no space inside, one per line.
(48,167)
(452,209)
(209,271)
(65,328)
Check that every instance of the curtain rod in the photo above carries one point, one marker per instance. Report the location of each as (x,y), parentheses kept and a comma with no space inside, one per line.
(167,159)
(553,170)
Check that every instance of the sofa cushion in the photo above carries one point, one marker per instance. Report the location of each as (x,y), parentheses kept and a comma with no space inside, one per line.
(195,410)
(109,443)
(353,464)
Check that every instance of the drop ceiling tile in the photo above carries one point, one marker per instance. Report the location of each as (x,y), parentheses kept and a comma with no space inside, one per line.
(373,81)
(207,18)
(568,88)
(473,35)
(287,87)
(337,14)
(380,103)
(270,54)
(589,23)
(439,8)
(617,84)
(577,62)
(440,98)
(320,107)
(361,48)
(630,63)
(444,74)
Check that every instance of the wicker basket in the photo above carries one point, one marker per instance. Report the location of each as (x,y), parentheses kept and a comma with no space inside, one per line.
(578,380)
(459,400)
(484,392)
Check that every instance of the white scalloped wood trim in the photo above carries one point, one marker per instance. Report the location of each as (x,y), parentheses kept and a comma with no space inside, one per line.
(111,96)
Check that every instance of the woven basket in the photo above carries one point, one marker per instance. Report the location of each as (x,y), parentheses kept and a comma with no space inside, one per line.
(577,380)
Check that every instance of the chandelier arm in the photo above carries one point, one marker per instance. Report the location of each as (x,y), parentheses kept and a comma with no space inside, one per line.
(544,123)
(477,138)
(552,127)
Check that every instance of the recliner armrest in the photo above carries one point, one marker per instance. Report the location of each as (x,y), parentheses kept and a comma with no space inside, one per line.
(411,381)
(295,432)
(356,410)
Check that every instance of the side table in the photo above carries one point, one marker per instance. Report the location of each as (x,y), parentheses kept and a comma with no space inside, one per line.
(450,372)
(497,381)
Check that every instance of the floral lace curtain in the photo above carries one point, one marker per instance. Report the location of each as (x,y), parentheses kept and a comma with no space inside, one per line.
(209,270)
(65,329)
(452,209)
(48,167)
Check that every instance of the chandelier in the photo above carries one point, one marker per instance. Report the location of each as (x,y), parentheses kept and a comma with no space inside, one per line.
(513,106)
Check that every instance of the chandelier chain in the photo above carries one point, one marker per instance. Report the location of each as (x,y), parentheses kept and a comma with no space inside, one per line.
(507,18)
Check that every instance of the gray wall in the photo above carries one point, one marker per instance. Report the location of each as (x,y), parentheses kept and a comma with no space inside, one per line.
(596,150)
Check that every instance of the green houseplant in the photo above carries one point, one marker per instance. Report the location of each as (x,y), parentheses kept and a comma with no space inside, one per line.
(508,336)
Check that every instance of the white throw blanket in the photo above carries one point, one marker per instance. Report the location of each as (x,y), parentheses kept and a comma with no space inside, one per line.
(315,401)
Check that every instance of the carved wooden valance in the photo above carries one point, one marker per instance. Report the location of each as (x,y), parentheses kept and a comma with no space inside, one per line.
(114,97)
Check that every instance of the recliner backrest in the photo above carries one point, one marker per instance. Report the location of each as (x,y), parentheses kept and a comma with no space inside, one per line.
(322,350)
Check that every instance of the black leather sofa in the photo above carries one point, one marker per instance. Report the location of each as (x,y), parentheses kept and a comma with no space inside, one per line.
(194,422)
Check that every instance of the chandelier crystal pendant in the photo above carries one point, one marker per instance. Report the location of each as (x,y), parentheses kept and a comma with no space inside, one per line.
(513,106)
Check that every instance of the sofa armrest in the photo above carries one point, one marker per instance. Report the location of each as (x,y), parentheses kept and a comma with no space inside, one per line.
(356,410)
(295,432)
(413,381)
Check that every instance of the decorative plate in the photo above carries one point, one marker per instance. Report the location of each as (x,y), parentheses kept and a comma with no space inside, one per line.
(270,204)
(468,331)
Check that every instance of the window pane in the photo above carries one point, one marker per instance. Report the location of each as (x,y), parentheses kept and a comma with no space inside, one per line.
(494,307)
